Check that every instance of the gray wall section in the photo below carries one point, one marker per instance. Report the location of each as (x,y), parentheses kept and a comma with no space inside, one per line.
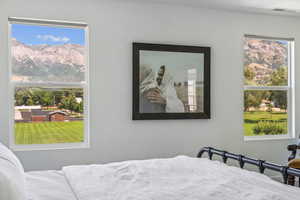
(114,25)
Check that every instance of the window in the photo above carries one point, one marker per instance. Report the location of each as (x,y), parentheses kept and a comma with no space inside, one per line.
(268,88)
(48,84)
(192,90)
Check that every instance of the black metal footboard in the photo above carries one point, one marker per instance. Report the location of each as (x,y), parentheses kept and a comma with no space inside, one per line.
(261,164)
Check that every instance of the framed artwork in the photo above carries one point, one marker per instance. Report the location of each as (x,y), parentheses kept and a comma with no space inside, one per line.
(170,82)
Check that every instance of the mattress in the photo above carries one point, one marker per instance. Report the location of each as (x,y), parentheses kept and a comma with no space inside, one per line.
(48,185)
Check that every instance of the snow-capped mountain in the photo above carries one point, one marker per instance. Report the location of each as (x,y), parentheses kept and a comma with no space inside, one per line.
(64,62)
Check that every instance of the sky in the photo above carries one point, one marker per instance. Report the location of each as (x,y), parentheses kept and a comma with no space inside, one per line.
(37,34)
(177,63)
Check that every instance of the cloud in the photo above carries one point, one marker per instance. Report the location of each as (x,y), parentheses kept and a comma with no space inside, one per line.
(53,38)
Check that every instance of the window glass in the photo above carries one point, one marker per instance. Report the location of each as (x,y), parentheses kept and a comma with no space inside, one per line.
(268,93)
(266,62)
(48,81)
(265,112)
(47,53)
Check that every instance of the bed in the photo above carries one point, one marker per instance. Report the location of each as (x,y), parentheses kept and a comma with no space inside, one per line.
(178,178)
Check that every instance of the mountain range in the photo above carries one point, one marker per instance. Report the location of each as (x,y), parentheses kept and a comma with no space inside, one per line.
(264,56)
(61,63)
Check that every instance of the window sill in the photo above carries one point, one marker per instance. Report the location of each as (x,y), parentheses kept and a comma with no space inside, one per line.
(266,137)
(42,147)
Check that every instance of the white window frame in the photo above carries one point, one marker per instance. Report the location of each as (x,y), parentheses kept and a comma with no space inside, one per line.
(290,88)
(84,85)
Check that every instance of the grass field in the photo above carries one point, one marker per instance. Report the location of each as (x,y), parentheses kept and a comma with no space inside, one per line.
(252,118)
(49,132)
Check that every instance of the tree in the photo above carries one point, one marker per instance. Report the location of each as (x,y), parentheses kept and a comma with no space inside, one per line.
(47,99)
(279,98)
(249,73)
(42,97)
(69,103)
(80,107)
(22,97)
(65,98)
(251,99)
(279,78)
(57,96)
(254,98)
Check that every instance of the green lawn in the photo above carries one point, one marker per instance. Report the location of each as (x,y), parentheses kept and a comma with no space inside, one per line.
(49,132)
(252,118)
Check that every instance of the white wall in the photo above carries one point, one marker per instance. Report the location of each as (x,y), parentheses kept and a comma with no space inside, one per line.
(113,27)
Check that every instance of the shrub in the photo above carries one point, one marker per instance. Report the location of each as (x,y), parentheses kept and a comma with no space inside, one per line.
(268,128)
(257,129)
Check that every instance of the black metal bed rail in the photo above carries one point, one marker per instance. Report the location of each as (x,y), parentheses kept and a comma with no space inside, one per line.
(261,164)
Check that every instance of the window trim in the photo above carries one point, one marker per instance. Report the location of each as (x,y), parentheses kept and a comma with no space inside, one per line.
(84,85)
(289,88)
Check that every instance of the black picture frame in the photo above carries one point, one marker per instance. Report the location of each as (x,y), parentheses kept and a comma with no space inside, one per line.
(136,48)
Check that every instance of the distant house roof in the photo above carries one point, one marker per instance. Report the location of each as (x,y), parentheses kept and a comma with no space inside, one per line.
(39,112)
(27,107)
(57,112)
(26,116)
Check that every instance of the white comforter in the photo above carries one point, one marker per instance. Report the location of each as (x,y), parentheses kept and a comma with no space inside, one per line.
(179,178)
(48,185)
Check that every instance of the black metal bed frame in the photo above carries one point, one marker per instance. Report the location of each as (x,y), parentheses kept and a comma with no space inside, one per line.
(261,164)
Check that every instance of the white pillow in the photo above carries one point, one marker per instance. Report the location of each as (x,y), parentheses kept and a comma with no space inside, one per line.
(12,176)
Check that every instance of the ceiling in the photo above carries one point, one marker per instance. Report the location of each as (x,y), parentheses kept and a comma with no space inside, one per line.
(292,7)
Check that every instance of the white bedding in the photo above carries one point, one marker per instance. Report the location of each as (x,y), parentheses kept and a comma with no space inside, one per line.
(48,185)
(179,178)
